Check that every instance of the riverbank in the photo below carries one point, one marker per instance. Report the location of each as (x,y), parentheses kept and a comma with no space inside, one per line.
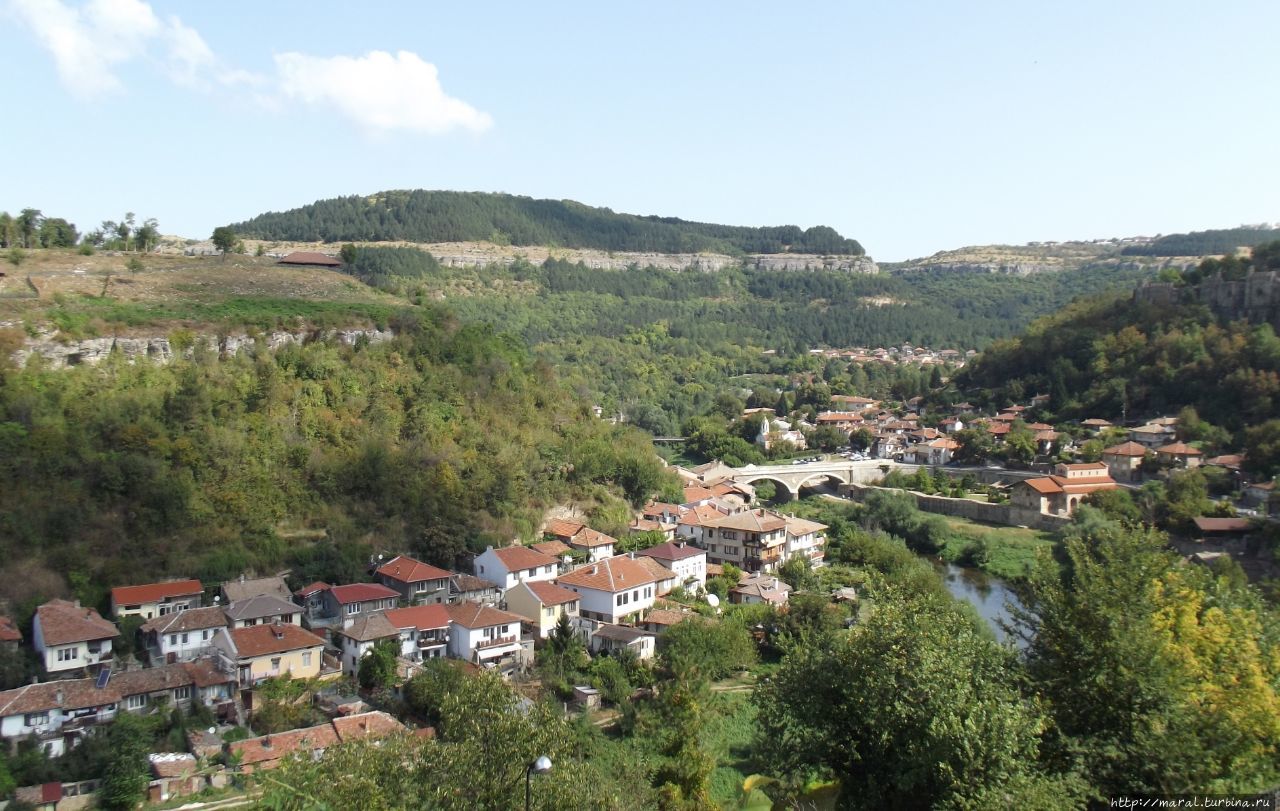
(1004,552)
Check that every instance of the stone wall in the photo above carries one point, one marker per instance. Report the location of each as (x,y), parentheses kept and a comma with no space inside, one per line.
(1255,298)
(968,508)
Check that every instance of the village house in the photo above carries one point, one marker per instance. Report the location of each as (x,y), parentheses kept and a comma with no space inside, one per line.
(595,545)
(842,420)
(311,599)
(1222,530)
(350,601)
(1062,492)
(613,639)
(542,605)
(58,714)
(639,525)
(934,452)
(266,651)
(415,581)
(1124,461)
(360,636)
(662,512)
(613,589)
(759,587)
(754,540)
(512,564)
(659,620)
(10,636)
(262,608)
(688,562)
(484,635)
(70,638)
(1180,455)
(183,636)
(773,431)
(951,425)
(155,599)
(467,588)
(805,539)
(424,631)
(268,751)
(854,403)
(1094,425)
(665,580)
(243,588)
(1152,435)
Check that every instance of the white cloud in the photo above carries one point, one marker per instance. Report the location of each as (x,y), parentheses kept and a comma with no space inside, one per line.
(89,42)
(379,92)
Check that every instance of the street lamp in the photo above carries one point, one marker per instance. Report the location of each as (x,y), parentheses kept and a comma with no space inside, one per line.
(540,766)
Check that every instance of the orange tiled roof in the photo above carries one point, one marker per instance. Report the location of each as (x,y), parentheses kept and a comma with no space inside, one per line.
(62,623)
(551,594)
(611,574)
(405,569)
(519,558)
(260,640)
(422,617)
(478,615)
(1129,448)
(1179,449)
(154,592)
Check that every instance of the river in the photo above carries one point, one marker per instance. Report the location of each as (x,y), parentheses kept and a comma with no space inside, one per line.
(985,593)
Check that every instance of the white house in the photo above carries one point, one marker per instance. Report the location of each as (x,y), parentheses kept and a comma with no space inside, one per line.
(513,564)
(773,431)
(579,536)
(613,589)
(183,636)
(615,638)
(806,539)
(69,637)
(686,560)
(360,636)
(483,635)
(424,631)
(156,599)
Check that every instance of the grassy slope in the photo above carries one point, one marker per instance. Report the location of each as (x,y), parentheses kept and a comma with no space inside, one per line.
(1012,550)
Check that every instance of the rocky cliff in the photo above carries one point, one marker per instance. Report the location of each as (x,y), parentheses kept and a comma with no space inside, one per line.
(56,351)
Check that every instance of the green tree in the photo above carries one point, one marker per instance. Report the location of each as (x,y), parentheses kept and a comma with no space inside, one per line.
(224,239)
(704,649)
(919,709)
(378,666)
(127,773)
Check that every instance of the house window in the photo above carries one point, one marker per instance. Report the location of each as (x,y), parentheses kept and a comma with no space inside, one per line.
(182,693)
(32,719)
(306,659)
(173,639)
(135,702)
(482,569)
(354,608)
(275,662)
(68,654)
(533,572)
(548,612)
(204,635)
(184,639)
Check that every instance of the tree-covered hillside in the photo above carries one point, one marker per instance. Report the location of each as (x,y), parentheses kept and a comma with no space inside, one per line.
(448,216)
(314,457)
(1204,243)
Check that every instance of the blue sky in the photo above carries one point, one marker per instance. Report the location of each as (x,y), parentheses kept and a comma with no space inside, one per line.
(911,127)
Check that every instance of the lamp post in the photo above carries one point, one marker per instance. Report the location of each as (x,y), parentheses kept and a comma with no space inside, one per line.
(540,766)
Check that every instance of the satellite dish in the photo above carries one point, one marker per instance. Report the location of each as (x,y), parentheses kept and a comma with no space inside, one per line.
(213,730)
(713,601)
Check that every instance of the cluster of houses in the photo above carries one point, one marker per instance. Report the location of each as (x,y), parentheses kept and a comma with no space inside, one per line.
(216,651)
(899,355)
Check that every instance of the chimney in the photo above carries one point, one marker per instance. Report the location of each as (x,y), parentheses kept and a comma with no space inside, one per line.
(595,570)
(57,697)
(631,555)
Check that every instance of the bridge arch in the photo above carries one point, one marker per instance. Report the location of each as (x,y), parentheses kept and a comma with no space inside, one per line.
(818,478)
(783,486)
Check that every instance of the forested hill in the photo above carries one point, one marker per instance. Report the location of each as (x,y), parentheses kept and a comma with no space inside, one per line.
(1205,243)
(449,216)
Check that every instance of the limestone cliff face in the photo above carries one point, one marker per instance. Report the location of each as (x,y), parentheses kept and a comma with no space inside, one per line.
(1255,298)
(58,352)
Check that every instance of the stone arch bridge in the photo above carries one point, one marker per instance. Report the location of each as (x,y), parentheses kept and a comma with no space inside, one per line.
(840,471)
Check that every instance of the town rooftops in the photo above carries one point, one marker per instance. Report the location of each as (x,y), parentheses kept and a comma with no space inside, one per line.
(154,592)
(694,492)
(553,548)
(699,516)
(261,640)
(477,615)
(611,574)
(422,617)
(561,528)
(362,592)
(551,594)
(259,606)
(655,568)
(368,627)
(193,619)
(1179,449)
(591,539)
(519,558)
(672,550)
(405,569)
(172,764)
(78,694)
(1129,448)
(750,521)
(63,623)
(1227,460)
(8,631)
(244,588)
(1205,524)
(270,748)
(762,586)
(310,258)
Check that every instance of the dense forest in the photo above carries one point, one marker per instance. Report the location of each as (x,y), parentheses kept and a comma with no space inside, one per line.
(1204,243)
(444,440)
(448,216)
(660,345)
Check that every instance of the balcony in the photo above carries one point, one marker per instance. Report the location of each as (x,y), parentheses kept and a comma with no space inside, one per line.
(496,643)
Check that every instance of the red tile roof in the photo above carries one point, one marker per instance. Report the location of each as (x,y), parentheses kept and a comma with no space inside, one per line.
(407,570)
(260,640)
(314,588)
(554,548)
(519,558)
(8,631)
(551,594)
(611,574)
(271,748)
(368,627)
(1044,486)
(560,528)
(1223,524)
(1179,449)
(1129,448)
(422,617)
(374,724)
(310,258)
(672,551)
(591,539)
(360,592)
(62,623)
(193,619)
(154,592)
(477,615)
(750,521)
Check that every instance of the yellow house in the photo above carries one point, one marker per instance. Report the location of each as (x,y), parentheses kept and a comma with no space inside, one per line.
(263,651)
(542,604)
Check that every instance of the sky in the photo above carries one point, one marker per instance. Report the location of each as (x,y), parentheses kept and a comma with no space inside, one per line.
(912,127)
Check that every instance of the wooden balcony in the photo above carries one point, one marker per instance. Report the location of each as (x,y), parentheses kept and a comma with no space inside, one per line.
(495,643)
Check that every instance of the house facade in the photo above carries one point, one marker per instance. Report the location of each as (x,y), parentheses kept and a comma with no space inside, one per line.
(183,636)
(484,635)
(752,540)
(415,581)
(266,651)
(350,601)
(806,539)
(1124,461)
(156,599)
(69,637)
(510,565)
(689,563)
(613,589)
(424,631)
(262,609)
(361,635)
(542,604)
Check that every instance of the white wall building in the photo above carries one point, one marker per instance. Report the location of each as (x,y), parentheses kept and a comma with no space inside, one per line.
(514,564)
